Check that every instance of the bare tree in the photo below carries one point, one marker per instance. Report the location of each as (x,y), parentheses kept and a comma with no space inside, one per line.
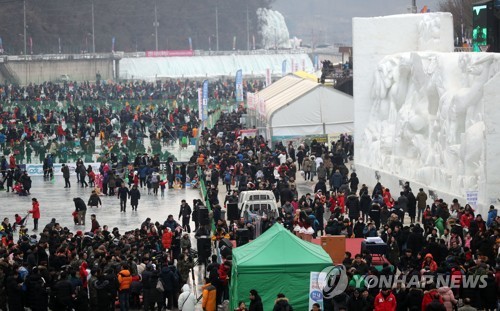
(462,16)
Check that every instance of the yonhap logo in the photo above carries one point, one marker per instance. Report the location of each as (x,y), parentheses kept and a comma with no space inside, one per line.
(333,281)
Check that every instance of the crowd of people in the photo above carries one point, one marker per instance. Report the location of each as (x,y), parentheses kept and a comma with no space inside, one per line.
(151,267)
(424,241)
(74,120)
(180,90)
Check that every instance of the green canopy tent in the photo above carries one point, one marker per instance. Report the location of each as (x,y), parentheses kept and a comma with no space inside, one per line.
(276,262)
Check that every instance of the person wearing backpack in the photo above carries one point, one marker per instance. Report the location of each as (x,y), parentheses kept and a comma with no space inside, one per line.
(187,300)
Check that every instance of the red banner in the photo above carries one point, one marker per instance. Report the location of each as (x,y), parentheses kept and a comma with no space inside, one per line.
(169,53)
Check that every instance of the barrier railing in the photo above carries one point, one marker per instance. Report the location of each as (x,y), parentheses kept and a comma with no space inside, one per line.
(459,49)
(203,190)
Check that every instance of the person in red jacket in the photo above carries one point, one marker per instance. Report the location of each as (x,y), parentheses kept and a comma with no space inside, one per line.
(222,288)
(466,218)
(341,202)
(12,162)
(36,213)
(429,296)
(429,262)
(166,238)
(385,301)
(388,200)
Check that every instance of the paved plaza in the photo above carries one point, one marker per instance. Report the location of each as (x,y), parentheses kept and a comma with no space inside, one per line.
(57,202)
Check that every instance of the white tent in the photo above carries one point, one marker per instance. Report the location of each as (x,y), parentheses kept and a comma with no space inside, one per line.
(295,106)
(151,68)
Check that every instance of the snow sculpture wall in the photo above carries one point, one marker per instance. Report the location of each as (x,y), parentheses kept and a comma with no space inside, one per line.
(420,115)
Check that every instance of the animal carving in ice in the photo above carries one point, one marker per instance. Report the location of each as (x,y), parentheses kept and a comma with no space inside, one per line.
(426,122)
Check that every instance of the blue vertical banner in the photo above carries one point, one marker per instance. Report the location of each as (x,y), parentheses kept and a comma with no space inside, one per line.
(205,101)
(283,68)
(239,86)
(1,46)
(316,62)
(113,44)
(190,44)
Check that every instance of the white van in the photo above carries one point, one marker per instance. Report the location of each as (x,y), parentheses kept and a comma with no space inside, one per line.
(257,203)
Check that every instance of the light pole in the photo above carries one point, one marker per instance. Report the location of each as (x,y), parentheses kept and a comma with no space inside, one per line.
(248,31)
(24,37)
(217,25)
(414,6)
(93,29)
(156,27)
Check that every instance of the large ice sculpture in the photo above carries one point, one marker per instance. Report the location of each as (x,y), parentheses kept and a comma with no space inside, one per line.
(426,122)
(423,113)
(273,29)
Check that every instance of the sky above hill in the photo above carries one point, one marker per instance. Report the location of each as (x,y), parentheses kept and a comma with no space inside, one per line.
(330,21)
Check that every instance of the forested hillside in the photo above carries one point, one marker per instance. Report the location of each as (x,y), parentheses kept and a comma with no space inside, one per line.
(131,22)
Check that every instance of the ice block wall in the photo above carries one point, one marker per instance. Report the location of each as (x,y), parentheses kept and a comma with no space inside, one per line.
(377,37)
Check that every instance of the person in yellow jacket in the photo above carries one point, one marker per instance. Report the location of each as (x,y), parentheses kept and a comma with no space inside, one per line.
(125,280)
(220,234)
(209,301)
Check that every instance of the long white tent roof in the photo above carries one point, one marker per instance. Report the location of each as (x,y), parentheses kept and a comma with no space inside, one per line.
(151,68)
(297,102)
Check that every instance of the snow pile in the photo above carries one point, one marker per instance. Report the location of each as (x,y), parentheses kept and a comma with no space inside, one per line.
(273,29)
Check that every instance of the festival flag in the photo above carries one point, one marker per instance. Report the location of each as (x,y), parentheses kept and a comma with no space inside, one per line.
(262,107)
(316,62)
(1,46)
(234,43)
(239,86)
(31,45)
(253,42)
(209,43)
(268,77)
(283,68)
(293,65)
(190,43)
(250,101)
(59,42)
(113,44)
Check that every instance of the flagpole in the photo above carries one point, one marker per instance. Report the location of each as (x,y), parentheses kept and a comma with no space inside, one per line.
(248,31)
(93,29)
(217,25)
(24,12)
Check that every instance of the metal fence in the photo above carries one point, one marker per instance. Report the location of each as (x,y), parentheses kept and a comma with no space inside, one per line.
(203,190)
